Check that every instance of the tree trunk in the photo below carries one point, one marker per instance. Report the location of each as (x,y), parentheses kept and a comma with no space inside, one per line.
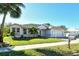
(2,28)
(1,37)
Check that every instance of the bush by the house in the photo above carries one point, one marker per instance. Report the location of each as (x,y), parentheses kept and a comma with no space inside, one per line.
(12,33)
(33,30)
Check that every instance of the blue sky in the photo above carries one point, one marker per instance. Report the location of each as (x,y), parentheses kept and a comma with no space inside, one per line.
(55,14)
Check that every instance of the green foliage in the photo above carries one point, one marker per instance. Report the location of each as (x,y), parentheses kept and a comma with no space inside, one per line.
(33,30)
(6,31)
(12,53)
(62,26)
(12,33)
(48,24)
(12,8)
(33,52)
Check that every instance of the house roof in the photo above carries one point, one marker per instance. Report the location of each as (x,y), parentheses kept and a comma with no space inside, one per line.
(30,25)
(40,25)
(58,28)
(73,30)
(16,24)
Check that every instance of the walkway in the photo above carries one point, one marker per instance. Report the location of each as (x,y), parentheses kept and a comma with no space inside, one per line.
(24,47)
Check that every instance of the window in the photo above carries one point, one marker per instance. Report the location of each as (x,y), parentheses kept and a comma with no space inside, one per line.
(24,31)
(18,29)
(13,29)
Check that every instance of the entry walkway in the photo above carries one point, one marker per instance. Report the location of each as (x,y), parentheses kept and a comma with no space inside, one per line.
(24,47)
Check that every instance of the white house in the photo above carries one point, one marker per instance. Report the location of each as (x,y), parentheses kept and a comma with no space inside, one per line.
(43,30)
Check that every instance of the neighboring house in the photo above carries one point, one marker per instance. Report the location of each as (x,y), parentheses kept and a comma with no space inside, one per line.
(43,30)
(73,32)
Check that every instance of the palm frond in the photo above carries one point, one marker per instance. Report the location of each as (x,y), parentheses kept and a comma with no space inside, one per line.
(15,13)
(13,8)
(21,5)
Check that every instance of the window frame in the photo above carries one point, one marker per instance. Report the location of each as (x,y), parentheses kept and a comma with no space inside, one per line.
(18,29)
(24,31)
(13,29)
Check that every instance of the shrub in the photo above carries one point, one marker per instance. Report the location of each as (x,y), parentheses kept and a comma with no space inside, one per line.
(33,30)
(12,33)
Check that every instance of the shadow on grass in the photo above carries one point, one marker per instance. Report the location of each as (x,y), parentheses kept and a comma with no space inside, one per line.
(22,53)
(13,53)
(22,39)
(29,38)
(41,38)
(10,52)
(48,52)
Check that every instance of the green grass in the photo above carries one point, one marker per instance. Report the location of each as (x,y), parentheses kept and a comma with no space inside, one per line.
(48,51)
(14,42)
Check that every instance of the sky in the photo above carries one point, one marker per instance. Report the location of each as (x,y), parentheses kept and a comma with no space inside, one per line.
(56,14)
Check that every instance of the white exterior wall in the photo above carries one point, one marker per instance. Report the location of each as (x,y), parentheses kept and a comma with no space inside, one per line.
(57,33)
(42,30)
(43,33)
(48,33)
(25,35)
(17,34)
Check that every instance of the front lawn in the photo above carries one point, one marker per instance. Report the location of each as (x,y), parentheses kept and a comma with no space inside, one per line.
(14,42)
(48,51)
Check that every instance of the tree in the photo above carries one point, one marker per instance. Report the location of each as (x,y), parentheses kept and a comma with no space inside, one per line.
(13,9)
(33,30)
(62,26)
(6,31)
(47,24)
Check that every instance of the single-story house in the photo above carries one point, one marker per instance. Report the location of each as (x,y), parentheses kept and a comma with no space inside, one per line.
(43,30)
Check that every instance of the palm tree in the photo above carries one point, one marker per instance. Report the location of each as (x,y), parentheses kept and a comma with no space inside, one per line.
(9,8)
